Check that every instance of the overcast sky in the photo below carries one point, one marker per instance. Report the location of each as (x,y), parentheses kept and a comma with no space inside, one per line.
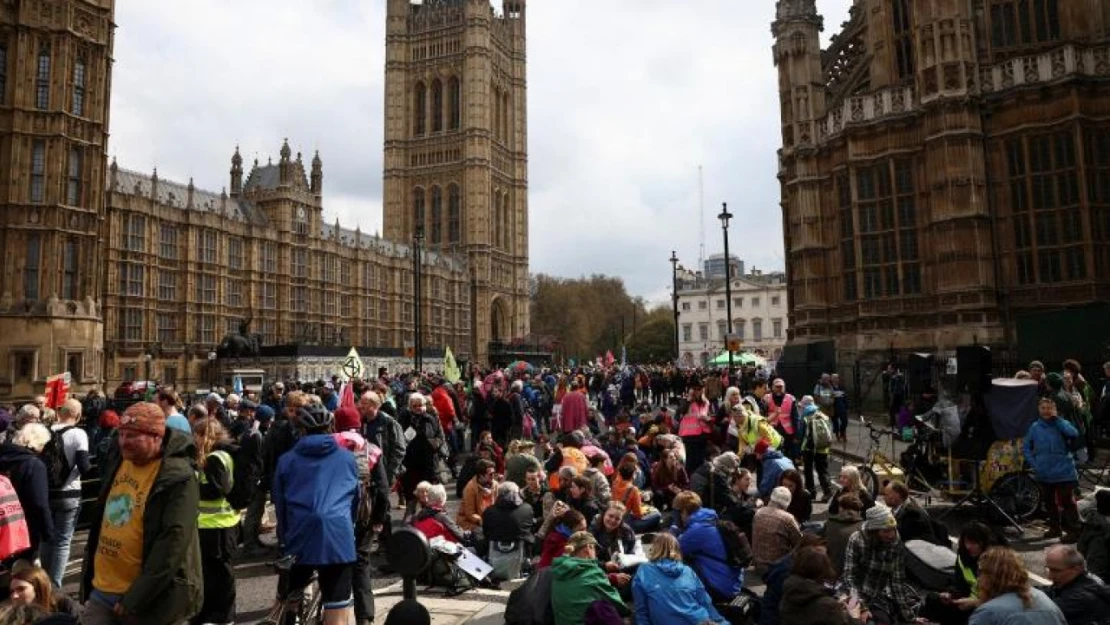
(626,99)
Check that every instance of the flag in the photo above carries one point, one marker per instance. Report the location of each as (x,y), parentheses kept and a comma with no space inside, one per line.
(347,396)
(237,385)
(450,367)
(57,390)
(351,367)
(609,360)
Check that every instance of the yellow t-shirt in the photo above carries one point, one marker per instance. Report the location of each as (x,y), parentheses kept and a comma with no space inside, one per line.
(119,553)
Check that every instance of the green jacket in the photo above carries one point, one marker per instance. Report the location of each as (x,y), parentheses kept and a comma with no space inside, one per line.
(170,587)
(576,583)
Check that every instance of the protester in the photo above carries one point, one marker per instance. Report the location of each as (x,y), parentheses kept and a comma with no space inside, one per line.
(850,483)
(874,569)
(1007,595)
(774,579)
(433,520)
(567,522)
(913,521)
(1046,448)
(668,478)
(142,561)
(31,585)
(667,592)
(615,538)
(704,549)
(773,465)
(801,504)
(384,431)
(217,522)
(424,448)
(507,527)
(807,597)
(20,462)
(1094,539)
(775,531)
(65,496)
(695,425)
(1082,598)
(816,445)
(520,460)
(577,582)
(840,527)
(599,484)
(955,605)
(477,496)
(625,491)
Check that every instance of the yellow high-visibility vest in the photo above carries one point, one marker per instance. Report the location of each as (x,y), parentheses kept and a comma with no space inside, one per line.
(217,513)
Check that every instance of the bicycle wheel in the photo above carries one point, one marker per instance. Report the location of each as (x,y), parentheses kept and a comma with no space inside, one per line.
(869,479)
(312,612)
(1017,494)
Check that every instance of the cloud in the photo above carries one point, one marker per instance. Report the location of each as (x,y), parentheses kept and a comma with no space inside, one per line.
(626,100)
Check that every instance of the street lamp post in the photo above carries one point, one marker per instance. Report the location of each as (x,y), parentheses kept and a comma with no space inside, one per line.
(725,216)
(674,299)
(418,347)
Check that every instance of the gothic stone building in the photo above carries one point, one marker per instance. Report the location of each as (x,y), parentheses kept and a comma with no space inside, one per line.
(185,266)
(945,168)
(456,139)
(55,72)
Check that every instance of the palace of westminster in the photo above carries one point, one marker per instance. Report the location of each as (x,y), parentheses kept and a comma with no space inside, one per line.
(111,274)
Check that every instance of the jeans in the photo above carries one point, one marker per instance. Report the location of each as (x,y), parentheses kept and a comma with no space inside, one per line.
(818,462)
(647,523)
(363,576)
(55,550)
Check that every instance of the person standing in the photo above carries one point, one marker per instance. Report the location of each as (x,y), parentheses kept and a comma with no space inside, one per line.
(695,425)
(217,521)
(781,415)
(816,444)
(384,431)
(574,410)
(21,463)
(65,502)
(421,451)
(142,559)
(1047,447)
(840,409)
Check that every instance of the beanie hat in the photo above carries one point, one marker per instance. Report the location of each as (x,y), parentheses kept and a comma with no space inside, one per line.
(264,414)
(347,419)
(762,446)
(408,612)
(809,410)
(726,463)
(144,417)
(879,517)
(781,497)
(1055,381)
(1036,364)
(109,419)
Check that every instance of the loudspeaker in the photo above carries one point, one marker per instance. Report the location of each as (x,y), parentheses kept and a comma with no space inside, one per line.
(919,373)
(973,368)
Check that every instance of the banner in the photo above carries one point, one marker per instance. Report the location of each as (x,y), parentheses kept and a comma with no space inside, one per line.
(237,385)
(351,367)
(450,368)
(57,390)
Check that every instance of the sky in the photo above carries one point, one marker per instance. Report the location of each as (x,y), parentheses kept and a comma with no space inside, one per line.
(626,100)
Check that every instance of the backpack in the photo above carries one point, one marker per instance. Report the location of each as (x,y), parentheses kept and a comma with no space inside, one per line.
(247,470)
(822,432)
(53,455)
(738,551)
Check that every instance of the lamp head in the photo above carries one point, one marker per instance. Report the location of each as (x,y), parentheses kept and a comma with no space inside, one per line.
(725,216)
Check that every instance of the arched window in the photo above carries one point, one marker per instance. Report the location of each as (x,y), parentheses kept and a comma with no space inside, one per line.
(436,230)
(437,105)
(454,214)
(419,109)
(42,79)
(454,102)
(417,209)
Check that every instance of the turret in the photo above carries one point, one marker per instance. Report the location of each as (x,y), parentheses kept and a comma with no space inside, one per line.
(797,54)
(316,181)
(285,164)
(236,173)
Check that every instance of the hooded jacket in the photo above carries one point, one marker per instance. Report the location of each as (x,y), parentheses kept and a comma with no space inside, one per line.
(28,476)
(667,592)
(774,464)
(704,550)
(1046,449)
(576,583)
(169,588)
(316,498)
(806,602)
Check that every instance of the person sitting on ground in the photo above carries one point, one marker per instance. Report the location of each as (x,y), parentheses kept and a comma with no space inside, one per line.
(774,465)
(477,496)
(535,488)
(520,461)
(28,614)
(875,570)
(577,582)
(913,521)
(775,531)
(1094,538)
(507,527)
(1007,595)
(568,521)
(600,487)
(801,503)
(615,538)
(775,578)
(470,468)
(625,491)
(432,520)
(955,605)
(1082,598)
(704,549)
(746,502)
(576,493)
(31,585)
(850,482)
(668,478)
(807,597)
(667,592)
(840,527)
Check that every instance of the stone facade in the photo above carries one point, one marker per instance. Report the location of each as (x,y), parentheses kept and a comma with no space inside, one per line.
(758,315)
(55,73)
(945,168)
(456,137)
(185,266)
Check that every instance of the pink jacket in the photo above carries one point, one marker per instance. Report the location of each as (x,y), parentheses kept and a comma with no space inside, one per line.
(781,415)
(575,412)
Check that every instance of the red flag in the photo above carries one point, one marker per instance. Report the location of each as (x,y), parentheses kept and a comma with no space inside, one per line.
(347,396)
(56,390)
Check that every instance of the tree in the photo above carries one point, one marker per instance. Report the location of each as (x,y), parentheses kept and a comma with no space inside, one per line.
(653,342)
(587,315)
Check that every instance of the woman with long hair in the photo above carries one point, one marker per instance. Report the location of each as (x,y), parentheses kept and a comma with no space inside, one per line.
(807,594)
(668,478)
(850,482)
(217,521)
(955,605)
(1006,592)
(30,585)
(666,591)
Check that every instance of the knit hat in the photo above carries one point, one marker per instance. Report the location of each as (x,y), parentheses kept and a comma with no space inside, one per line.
(109,419)
(1036,364)
(347,419)
(1055,381)
(144,417)
(781,497)
(264,414)
(762,446)
(726,463)
(879,517)
(408,612)
(809,410)
(579,540)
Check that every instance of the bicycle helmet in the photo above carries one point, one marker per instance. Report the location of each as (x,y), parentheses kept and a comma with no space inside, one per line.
(314,417)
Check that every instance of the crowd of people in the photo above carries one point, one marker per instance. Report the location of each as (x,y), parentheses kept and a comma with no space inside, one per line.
(651,494)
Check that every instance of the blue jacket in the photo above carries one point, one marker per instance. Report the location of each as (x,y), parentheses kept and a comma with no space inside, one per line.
(704,550)
(315,493)
(668,592)
(774,463)
(1005,609)
(1046,450)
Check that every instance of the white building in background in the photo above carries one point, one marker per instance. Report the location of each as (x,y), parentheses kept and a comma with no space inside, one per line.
(758,315)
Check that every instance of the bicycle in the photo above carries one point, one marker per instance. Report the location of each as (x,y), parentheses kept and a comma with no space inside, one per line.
(296,608)
(875,457)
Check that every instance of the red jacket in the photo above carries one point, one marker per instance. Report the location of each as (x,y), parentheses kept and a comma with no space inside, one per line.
(445,408)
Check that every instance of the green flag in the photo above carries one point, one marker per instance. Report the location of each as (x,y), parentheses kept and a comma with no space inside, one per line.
(450,367)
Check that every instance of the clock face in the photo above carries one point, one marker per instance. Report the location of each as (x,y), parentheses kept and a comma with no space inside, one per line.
(300,213)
